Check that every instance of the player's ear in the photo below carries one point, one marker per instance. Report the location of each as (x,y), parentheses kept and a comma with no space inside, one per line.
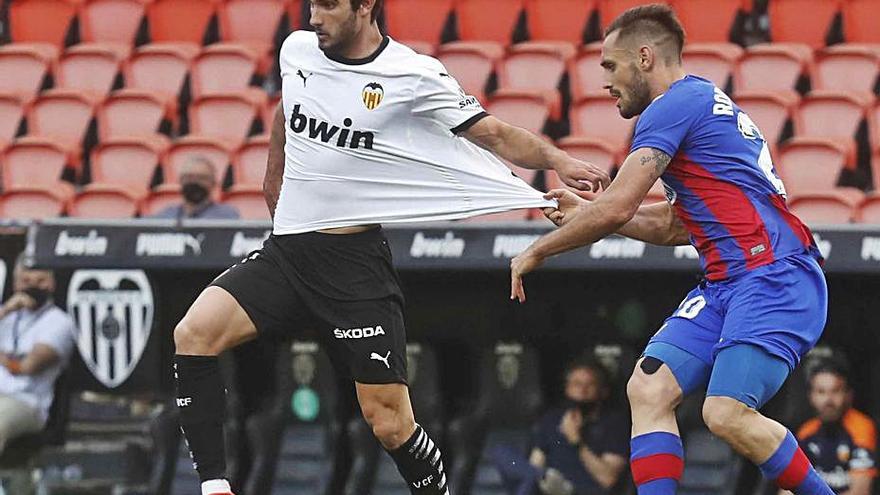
(646,57)
(366,7)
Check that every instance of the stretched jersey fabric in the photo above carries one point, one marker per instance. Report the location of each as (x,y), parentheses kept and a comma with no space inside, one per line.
(838,450)
(721,181)
(374,140)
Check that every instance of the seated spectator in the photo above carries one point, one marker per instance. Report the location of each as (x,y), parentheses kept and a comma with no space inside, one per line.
(36,340)
(840,441)
(197,181)
(579,448)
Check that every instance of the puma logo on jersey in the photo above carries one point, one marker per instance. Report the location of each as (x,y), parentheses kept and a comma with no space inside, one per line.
(358,333)
(325,132)
(304,77)
(377,357)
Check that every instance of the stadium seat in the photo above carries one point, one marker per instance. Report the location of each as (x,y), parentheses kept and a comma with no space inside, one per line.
(34,161)
(294,12)
(874,127)
(585,73)
(599,117)
(227,118)
(472,15)
(130,112)
(713,61)
(63,115)
(471,64)
(826,207)
(811,164)
(610,9)
(772,67)
(188,146)
(536,66)
(249,162)
(591,150)
(709,21)
(23,67)
(163,196)
(869,210)
(853,68)
(422,47)
(127,162)
(558,20)
(831,114)
(222,68)
(40,21)
(860,21)
(711,466)
(30,203)
(112,23)
(267,112)
(526,109)
(252,23)
(769,110)
(88,68)
(180,22)
(161,69)
(419,21)
(103,201)
(875,168)
(11,113)
(802,21)
(249,200)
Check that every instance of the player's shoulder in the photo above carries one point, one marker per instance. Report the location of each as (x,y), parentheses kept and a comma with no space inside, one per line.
(808,429)
(421,65)
(860,427)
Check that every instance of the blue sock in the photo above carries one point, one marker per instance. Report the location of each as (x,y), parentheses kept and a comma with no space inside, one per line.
(656,462)
(790,469)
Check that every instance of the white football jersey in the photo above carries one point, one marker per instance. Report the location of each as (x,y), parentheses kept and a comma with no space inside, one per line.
(374,141)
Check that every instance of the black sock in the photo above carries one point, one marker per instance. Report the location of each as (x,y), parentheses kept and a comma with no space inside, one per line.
(201,399)
(420,464)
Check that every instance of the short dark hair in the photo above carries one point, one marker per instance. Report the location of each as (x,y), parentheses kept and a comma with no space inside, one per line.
(835,366)
(588,362)
(377,8)
(655,20)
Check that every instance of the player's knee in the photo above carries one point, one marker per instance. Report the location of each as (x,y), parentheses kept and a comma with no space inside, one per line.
(391,427)
(725,417)
(196,339)
(655,391)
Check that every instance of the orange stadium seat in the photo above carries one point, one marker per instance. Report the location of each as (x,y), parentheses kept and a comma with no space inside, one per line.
(526,109)
(536,66)
(831,114)
(252,23)
(869,209)
(180,22)
(472,15)
(222,68)
(294,14)
(63,115)
(11,113)
(874,128)
(249,162)
(860,21)
(187,147)
(772,67)
(585,73)
(31,203)
(471,64)
(113,23)
(610,9)
(558,20)
(91,69)
(130,112)
(713,61)
(826,207)
(591,150)
(267,112)
(227,118)
(769,110)
(598,117)
(40,21)
(33,161)
(811,164)
(157,68)
(419,21)
(127,162)
(249,201)
(875,168)
(802,21)
(103,201)
(22,70)
(847,68)
(709,20)
(161,197)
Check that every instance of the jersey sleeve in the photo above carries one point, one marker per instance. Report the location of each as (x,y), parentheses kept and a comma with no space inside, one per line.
(439,97)
(666,122)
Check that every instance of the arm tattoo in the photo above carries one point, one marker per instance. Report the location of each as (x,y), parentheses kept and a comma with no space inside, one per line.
(659,159)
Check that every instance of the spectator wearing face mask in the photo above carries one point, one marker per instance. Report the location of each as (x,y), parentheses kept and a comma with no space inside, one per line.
(197,180)
(578,448)
(36,341)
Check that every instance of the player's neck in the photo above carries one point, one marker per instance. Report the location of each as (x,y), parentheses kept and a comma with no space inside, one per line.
(667,78)
(365,44)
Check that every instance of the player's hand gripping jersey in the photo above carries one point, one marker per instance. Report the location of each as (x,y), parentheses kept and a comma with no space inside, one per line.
(721,180)
(371,141)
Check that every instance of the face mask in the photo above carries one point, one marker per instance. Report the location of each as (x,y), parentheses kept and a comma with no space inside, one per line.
(40,296)
(194,193)
(586,407)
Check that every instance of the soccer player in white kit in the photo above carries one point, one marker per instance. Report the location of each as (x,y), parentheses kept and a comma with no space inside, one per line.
(368,132)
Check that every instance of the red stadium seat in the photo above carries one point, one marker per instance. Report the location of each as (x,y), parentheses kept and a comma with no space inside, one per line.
(869,210)
(536,66)
(22,70)
(610,9)
(769,110)
(63,115)
(875,169)
(598,117)
(181,22)
(709,21)
(227,118)
(422,47)
(157,68)
(811,164)
(33,161)
(591,150)
(91,69)
(104,201)
(772,67)
(249,162)
(472,16)
(130,112)
(294,14)
(249,201)
(161,197)
(417,20)
(826,207)
(471,64)
(831,114)
(222,68)
(31,203)
(267,112)
(860,21)
(802,21)
(113,23)
(40,21)
(11,113)
(713,61)
(526,109)
(127,162)
(187,147)
(558,20)
(252,23)
(585,73)
(851,68)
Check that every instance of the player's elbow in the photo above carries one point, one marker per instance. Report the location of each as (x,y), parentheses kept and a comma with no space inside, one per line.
(620,214)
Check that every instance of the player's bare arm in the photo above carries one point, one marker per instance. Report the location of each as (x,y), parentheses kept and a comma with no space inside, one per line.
(607,214)
(275,163)
(527,150)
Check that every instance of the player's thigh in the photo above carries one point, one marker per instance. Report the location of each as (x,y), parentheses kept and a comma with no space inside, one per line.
(748,374)
(215,322)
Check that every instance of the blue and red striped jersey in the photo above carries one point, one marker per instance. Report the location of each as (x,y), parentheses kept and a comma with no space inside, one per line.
(721,181)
